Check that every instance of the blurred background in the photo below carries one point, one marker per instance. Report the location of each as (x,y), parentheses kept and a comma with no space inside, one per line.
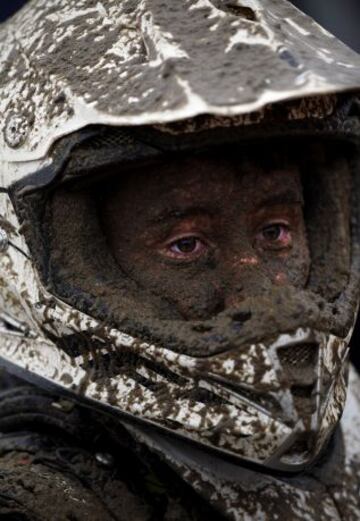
(340,17)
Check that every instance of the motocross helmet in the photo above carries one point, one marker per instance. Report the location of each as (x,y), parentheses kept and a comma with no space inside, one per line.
(86,86)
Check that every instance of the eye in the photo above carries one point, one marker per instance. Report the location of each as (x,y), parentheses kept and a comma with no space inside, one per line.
(186,247)
(274,236)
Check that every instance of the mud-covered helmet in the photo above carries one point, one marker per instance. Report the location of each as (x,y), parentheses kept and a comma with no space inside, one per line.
(87,85)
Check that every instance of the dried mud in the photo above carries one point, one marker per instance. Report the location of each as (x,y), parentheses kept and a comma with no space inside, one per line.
(81,259)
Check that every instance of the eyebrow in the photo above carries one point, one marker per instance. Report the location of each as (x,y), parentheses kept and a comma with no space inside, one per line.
(284,197)
(176,214)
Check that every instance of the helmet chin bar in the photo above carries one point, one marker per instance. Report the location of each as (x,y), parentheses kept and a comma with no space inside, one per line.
(215,402)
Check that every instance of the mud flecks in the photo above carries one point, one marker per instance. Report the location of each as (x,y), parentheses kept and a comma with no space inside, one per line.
(149,64)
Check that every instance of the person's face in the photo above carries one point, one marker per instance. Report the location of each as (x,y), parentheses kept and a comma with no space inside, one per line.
(205,233)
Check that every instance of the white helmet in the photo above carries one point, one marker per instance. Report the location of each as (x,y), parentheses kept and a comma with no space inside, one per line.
(85,85)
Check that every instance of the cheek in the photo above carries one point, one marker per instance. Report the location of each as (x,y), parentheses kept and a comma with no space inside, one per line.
(195,293)
(290,268)
(281,279)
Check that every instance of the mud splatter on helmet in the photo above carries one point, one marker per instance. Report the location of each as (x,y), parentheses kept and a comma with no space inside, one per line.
(88,85)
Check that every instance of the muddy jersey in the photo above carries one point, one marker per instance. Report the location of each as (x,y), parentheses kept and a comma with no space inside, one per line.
(56,463)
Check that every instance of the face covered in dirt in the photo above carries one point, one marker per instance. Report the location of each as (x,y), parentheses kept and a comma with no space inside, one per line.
(206,232)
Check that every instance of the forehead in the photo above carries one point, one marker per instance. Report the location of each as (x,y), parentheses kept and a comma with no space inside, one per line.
(209,178)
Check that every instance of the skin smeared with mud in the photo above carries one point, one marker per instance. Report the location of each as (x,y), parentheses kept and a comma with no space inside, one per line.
(204,233)
(143,299)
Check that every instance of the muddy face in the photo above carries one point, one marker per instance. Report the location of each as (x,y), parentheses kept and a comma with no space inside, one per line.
(203,233)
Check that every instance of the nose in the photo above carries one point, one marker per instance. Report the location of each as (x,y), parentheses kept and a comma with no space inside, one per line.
(244,278)
(234,298)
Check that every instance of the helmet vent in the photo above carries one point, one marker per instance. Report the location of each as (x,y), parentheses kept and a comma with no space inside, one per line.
(299,362)
(298,452)
(302,355)
(112,364)
(204,396)
(266,401)
(263,400)
(303,396)
(235,8)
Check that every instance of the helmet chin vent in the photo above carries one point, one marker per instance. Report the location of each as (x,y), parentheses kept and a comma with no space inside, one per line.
(299,363)
(145,372)
(304,399)
(299,452)
(266,401)
(261,400)
(204,396)
(299,373)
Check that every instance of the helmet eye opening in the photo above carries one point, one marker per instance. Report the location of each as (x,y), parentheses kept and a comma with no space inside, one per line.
(91,280)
